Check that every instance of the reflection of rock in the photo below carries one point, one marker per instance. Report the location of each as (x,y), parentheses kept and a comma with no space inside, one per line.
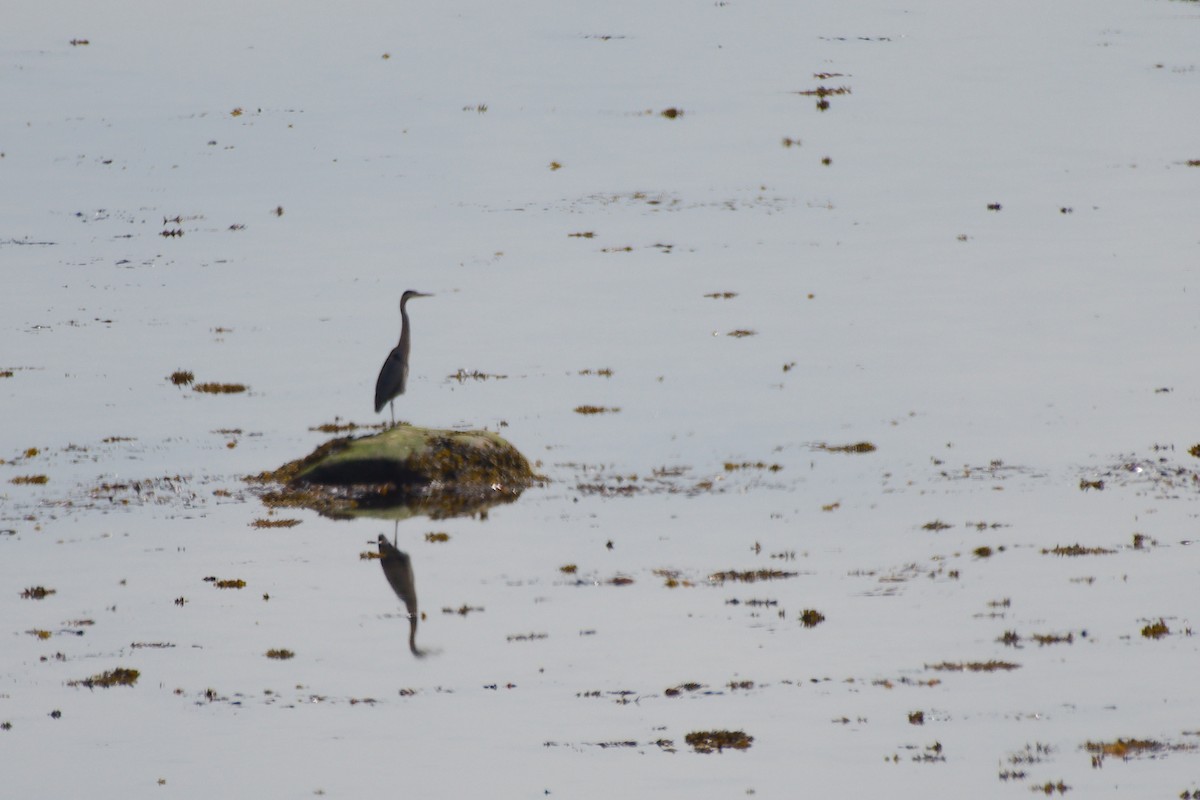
(397,568)
(401,471)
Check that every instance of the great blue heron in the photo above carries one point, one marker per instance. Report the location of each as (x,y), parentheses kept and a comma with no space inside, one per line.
(394,374)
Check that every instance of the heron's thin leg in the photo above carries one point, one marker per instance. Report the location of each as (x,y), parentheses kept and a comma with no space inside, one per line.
(392,406)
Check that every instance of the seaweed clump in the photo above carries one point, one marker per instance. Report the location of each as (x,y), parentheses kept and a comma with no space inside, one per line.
(811,618)
(37,480)
(750,576)
(857,447)
(1077,550)
(974,666)
(1156,630)
(220,388)
(717,741)
(1124,748)
(121,676)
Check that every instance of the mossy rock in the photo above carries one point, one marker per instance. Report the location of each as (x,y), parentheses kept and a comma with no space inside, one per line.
(403,471)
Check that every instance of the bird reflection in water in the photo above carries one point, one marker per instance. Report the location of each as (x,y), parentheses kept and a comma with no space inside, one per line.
(397,568)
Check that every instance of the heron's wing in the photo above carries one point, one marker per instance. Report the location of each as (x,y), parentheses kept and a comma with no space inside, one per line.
(393,376)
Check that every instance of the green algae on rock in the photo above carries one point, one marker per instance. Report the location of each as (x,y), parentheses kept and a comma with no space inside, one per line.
(403,470)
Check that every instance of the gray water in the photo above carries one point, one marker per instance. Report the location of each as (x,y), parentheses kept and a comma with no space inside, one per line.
(516,162)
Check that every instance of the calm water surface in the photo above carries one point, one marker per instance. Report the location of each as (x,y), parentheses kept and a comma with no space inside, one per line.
(518,165)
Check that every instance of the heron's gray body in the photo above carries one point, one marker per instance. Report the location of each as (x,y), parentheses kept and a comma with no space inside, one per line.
(393,376)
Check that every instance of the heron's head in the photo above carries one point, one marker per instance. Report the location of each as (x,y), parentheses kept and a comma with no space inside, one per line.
(410,294)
